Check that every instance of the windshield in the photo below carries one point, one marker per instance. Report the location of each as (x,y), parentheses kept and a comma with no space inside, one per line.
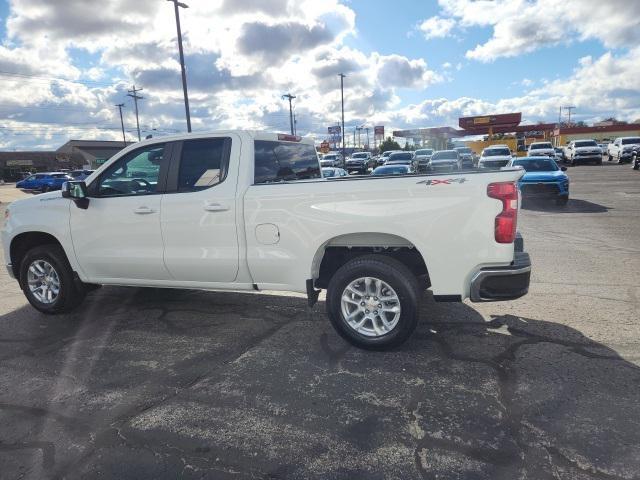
(539,146)
(329,172)
(391,170)
(445,155)
(586,143)
(631,141)
(537,164)
(400,156)
(60,175)
(424,152)
(465,150)
(329,157)
(496,152)
(360,155)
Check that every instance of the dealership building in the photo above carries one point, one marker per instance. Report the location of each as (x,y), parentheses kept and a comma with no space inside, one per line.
(72,155)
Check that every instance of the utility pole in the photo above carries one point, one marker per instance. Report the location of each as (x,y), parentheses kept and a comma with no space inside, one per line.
(133,93)
(354,138)
(177,4)
(295,124)
(569,108)
(290,97)
(367,129)
(342,75)
(124,138)
(560,117)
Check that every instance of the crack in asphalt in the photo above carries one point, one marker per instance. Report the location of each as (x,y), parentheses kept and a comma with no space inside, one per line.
(507,383)
(104,437)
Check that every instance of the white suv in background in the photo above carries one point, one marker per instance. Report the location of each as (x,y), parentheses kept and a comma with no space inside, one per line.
(537,149)
(581,151)
(621,149)
(495,156)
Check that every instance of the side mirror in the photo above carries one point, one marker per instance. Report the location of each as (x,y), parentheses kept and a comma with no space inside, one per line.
(76,191)
(564,169)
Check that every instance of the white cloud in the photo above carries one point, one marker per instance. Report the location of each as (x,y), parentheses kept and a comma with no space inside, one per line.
(437,27)
(522,26)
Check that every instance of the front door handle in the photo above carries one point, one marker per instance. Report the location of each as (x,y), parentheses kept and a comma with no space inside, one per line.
(144,210)
(215,207)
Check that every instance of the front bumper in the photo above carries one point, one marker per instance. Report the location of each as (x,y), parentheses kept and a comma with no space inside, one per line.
(543,189)
(502,283)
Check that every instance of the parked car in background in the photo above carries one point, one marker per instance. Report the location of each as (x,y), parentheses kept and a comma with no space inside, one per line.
(443,160)
(621,149)
(393,170)
(332,159)
(496,156)
(543,178)
(331,172)
(465,157)
(245,210)
(80,174)
(541,148)
(582,151)
(401,158)
(359,162)
(559,154)
(382,159)
(44,182)
(423,155)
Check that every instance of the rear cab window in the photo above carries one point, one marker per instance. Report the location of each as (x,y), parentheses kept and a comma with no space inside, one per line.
(277,161)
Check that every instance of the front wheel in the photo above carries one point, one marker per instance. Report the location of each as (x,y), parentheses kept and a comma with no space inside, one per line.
(636,163)
(44,188)
(47,280)
(372,302)
(609,158)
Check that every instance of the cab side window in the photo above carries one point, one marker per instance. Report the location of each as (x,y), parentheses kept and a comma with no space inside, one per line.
(203,163)
(136,173)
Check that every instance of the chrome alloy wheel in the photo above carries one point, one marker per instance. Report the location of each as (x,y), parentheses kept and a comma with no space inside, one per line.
(370,306)
(43,281)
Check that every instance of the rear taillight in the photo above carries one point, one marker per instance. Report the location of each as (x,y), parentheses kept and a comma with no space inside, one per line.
(507,219)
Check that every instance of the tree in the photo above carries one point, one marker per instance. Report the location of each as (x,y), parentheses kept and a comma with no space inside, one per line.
(389,144)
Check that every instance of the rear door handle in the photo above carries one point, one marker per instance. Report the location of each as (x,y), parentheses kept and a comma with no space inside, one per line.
(144,210)
(215,207)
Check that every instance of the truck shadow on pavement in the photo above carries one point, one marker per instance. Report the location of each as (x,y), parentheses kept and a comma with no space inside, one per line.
(575,205)
(166,383)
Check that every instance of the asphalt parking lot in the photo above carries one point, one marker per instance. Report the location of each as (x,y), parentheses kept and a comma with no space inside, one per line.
(150,383)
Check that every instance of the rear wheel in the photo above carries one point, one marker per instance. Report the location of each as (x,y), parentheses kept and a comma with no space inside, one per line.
(562,200)
(44,188)
(47,280)
(372,302)
(609,158)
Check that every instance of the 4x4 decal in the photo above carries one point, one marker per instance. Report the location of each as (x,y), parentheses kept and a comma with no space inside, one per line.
(447,181)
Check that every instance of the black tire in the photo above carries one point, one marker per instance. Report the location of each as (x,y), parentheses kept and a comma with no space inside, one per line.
(562,200)
(398,277)
(70,295)
(636,164)
(44,188)
(599,162)
(609,158)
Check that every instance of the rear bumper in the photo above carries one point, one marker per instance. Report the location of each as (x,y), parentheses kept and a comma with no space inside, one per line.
(502,283)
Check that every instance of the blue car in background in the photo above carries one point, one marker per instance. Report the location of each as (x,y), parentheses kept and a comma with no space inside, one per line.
(44,182)
(543,179)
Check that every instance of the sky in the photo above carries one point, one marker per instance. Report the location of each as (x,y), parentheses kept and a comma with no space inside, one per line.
(64,65)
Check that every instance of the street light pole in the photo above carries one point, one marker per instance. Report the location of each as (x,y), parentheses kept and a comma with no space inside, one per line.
(290,97)
(177,4)
(342,75)
(124,138)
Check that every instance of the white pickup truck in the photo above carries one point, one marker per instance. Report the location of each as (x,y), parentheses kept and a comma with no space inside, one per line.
(241,210)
